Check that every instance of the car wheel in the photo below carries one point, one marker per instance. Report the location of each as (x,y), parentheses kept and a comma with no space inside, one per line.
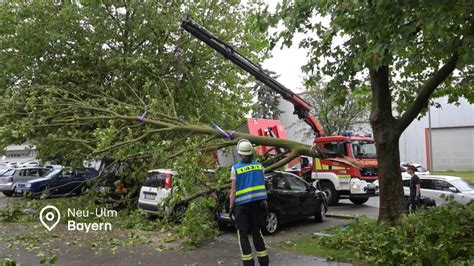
(271,223)
(8,193)
(331,193)
(359,201)
(178,213)
(320,215)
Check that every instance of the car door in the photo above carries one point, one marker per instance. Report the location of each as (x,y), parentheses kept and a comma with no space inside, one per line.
(282,199)
(427,190)
(442,188)
(21,176)
(306,198)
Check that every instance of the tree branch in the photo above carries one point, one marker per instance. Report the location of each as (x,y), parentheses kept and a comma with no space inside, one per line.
(426,91)
(281,163)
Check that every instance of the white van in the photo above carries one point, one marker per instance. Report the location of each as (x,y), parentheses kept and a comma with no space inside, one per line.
(156,188)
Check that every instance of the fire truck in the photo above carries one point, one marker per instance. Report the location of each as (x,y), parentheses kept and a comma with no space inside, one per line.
(337,179)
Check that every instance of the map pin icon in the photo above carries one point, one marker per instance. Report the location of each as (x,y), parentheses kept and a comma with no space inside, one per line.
(52,216)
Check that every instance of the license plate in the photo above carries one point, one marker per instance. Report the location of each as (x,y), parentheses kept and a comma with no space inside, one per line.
(19,190)
(150,196)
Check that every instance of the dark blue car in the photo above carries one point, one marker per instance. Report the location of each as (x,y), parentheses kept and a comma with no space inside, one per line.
(58,182)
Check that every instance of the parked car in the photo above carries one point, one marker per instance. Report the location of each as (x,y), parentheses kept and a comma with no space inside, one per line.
(10,179)
(12,165)
(434,186)
(58,182)
(3,168)
(290,198)
(111,180)
(157,187)
(29,164)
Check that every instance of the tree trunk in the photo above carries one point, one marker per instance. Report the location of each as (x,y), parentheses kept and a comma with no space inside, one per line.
(390,181)
(387,134)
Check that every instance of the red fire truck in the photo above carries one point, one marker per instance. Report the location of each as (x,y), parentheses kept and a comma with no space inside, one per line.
(338,180)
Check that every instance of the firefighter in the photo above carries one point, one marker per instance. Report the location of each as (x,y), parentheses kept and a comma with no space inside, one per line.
(248,204)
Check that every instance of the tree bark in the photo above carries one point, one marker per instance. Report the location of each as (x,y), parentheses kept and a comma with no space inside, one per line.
(387,135)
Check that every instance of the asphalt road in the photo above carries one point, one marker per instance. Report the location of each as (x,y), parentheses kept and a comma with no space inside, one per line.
(346,207)
(222,251)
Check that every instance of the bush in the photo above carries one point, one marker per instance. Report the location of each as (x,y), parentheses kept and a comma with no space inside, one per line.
(436,236)
(198,224)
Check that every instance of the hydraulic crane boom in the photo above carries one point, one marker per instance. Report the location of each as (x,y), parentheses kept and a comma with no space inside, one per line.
(302,108)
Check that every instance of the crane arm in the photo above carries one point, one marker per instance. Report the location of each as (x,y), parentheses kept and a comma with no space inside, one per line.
(302,108)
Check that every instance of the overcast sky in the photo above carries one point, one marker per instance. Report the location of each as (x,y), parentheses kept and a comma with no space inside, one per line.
(287,62)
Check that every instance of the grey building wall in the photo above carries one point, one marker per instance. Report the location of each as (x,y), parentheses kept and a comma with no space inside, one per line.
(19,153)
(452,137)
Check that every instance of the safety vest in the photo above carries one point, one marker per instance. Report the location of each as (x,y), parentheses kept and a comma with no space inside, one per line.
(250,183)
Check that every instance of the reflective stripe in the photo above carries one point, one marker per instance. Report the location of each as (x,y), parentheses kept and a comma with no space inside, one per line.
(248,168)
(247,257)
(246,190)
(250,196)
(238,241)
(344,176)
(262,253)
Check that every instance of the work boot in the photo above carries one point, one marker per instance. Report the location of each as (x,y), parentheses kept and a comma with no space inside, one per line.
(264,261)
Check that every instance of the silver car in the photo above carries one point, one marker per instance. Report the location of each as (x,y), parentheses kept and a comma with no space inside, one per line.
(438,188)
(10,178)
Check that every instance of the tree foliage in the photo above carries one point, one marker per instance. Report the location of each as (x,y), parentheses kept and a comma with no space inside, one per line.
(124,57)
(334,115)
(268,100)
(405,51)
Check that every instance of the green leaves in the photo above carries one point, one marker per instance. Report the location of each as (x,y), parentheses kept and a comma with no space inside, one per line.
(441,235)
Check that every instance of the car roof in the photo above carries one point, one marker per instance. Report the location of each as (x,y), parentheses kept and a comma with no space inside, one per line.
(440,177)
(31,167)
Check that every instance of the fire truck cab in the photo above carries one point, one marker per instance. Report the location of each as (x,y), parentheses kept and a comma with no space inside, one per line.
(343,181)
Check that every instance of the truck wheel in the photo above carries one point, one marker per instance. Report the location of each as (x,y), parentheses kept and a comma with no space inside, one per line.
(331,193)
(359,201)
(320,215)
(271,223)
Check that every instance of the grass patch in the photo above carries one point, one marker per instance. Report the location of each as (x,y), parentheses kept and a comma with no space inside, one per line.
(469,175)
(309,245)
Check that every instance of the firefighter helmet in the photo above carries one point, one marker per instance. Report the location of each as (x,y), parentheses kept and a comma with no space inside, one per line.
(244,147)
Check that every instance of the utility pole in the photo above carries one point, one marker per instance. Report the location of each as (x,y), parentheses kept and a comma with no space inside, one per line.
(430,142)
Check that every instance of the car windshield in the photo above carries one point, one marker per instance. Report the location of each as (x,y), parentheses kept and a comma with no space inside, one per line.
(462,185)
(53,173)
(421,169)
(363,149)
(9,172)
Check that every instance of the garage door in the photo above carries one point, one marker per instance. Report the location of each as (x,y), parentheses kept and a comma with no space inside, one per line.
(453,149)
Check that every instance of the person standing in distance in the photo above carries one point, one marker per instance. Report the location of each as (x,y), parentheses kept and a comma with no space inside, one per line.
(248,204)
(415,193)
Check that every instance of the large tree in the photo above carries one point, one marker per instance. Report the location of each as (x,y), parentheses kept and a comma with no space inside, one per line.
(124,57)
(405,52)
(87,81)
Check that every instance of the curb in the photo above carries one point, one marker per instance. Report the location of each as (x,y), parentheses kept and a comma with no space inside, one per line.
(341,216)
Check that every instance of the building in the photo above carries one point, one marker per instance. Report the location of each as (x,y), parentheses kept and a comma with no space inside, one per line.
(452,135)
(19,153)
